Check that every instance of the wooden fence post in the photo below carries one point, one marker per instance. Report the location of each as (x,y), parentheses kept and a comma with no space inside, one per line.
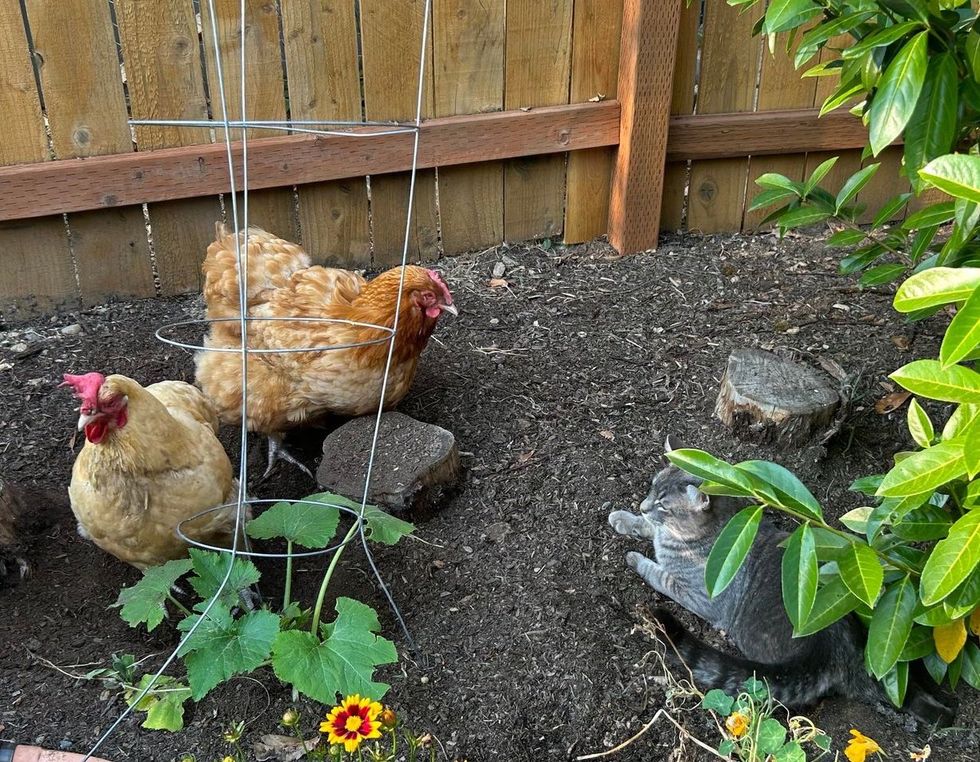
(646,72)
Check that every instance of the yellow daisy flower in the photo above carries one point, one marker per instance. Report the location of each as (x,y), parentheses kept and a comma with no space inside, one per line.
(354,720)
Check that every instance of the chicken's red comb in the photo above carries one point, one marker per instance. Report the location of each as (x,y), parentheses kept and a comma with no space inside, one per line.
(86,387)
(437,279)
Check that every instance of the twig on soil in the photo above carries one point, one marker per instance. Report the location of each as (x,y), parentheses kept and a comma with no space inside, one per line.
(660,713)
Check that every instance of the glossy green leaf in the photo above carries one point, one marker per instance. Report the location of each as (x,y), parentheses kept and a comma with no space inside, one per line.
(833,602)
(931,131)
(963,334)
(936,286)
(891,625)
(971,665)
(776,181)
(920,425)
(919,645)
(846,238)
(928,378)
(829,546)
(882,38)
(920,243)
(782,15)
(890,209)
(862,572)
(972,49)
(897,94)
(896,682)
(799,575)
(956,174)
(962,419)
(730,549)
(867,485)
(804,215)
(812,40)
(818,174)
(857,520)
(861,258)
(855,183)
(925,470)
(771,196)
(934,214)
(706,466)
(840,96)
(923,524)
(952,560)
(882,274)
(780,487)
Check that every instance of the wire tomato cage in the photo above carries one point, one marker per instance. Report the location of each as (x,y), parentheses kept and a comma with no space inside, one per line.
(239,219)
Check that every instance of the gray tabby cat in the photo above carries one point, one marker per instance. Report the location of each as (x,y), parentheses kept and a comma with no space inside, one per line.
(683,524)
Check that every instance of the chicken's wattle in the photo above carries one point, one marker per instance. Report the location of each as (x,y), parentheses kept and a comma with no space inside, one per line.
(95,431)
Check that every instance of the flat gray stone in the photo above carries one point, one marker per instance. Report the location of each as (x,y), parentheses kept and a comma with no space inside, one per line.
(415,464)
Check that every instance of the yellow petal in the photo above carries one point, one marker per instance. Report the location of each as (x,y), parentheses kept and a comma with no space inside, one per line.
(949,639)
(975,621)
(855,751)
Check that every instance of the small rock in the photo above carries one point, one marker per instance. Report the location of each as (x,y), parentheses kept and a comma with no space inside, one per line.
(415,463)
(499,269)
(72,330)
(64,744)
(496,532)
(19,347)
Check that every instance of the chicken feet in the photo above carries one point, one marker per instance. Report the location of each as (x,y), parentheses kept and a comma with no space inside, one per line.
(278,451)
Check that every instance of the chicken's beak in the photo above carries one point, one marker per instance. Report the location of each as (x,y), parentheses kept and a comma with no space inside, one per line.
(450,308)
(84,420)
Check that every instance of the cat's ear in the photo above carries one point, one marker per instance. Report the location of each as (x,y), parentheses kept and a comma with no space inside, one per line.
(698,499)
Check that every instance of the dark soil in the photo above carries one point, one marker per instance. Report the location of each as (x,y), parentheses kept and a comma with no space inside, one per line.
(560,389)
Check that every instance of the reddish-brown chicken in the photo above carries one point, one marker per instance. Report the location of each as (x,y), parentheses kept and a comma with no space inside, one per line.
(287,389)
(151,460)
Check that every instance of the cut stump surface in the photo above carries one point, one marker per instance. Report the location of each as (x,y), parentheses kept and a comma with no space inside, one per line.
(768,399)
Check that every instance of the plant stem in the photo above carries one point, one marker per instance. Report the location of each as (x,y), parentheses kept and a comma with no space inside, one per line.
(178,604)
(315,626)
(289,574)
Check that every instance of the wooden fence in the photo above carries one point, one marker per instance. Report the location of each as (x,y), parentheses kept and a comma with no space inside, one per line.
(543,118)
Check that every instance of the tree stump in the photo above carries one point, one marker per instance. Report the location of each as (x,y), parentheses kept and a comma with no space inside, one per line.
(768,399)
(415,464)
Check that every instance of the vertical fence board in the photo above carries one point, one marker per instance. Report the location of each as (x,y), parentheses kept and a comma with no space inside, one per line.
(780,87)
(681,102)
(727,83)
(83,95)
(391,34)
(324,83)
(468,58)
(596,33)
(273,209)
(163,67)
(538,63)
(36,272)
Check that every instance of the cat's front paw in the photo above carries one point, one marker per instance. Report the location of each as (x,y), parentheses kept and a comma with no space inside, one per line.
(635,560)
(622,522)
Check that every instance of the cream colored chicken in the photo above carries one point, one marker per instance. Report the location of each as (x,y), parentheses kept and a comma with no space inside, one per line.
(288,389)
(151,459)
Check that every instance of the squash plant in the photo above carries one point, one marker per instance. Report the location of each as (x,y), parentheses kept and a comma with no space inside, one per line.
(317,658)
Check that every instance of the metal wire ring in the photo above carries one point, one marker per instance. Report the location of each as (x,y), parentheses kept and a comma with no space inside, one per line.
(355,512)
(253,351)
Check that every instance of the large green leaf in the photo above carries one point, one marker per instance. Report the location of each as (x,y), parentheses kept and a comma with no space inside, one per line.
(971,665)
(937,286)
(833,601)
(854,185)
(344,662)
(896,682)
(928,378)
(919,645)
(164,704)
(210,569)
(923,524)
(804,215)
(222,647)
(818,174)
(925,470)
(898,91)
(383,527)
(780,487)
(782,15)
(813,39)
(799,575)
(881,38)
(963,334)
(862,572)
(706,466)
(304,523)
(771,196)
(957,174)
(891,625)
(145,602)
(952,560)
(934,214)
(770,736)
(962,419)
(920,425)
(730,549)
(931,131)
